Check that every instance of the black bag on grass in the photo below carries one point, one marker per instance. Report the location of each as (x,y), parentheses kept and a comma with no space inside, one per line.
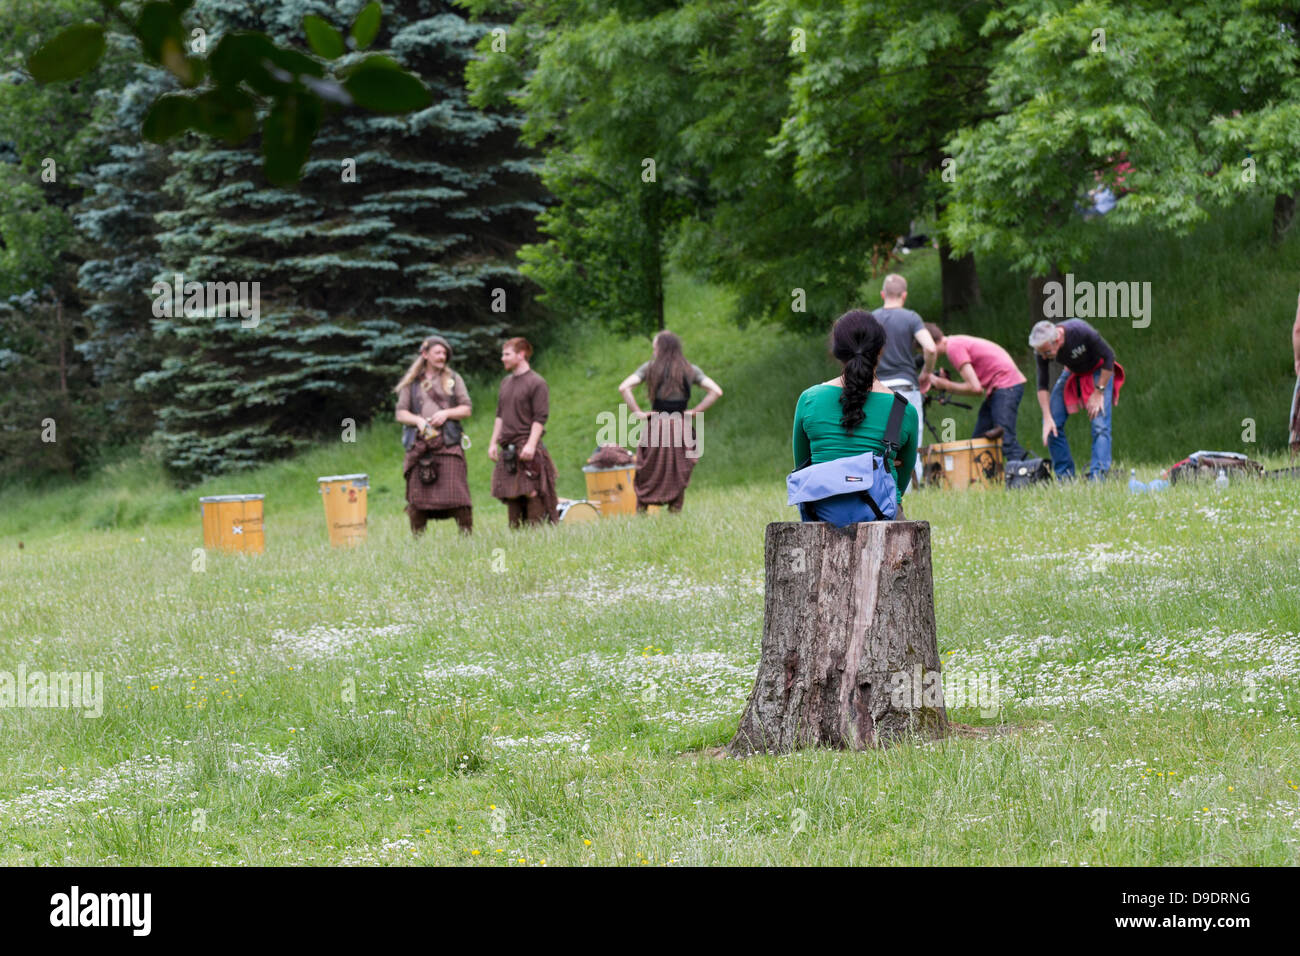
(1027,471)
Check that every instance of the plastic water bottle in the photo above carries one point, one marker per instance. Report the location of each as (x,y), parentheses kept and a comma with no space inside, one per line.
(1222,481)
(1134,485)
(1158,484)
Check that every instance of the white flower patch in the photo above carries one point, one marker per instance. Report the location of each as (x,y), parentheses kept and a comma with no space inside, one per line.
(452,671)
(162,777)
(549,741)
(603,587)
(714,682)
(255,762)
(389,851)
(324,643)
(681,719)
(1145,672)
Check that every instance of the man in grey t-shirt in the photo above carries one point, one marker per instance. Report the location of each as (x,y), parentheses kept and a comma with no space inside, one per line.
(903,329)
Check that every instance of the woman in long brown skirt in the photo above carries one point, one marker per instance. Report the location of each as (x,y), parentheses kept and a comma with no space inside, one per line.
(669,448)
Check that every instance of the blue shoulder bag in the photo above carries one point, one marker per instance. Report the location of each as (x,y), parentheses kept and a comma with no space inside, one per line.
(851,490)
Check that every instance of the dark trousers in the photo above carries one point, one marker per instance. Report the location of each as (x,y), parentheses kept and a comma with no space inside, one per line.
(421,517)
(1001,408)
(673,506)
(525,510)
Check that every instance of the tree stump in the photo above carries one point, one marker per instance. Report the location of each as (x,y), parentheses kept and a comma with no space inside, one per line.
(849,657)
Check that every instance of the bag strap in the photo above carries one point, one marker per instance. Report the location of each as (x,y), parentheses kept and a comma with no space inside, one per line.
(894,427)
(875,508)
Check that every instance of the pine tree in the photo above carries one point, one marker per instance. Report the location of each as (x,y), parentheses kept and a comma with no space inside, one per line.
(117,221)
(402,225)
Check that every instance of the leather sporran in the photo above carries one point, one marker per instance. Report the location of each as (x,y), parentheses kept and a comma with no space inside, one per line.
(427,469)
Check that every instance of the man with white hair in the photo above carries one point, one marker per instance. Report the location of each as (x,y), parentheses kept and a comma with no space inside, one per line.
(903,330)
(1091,379)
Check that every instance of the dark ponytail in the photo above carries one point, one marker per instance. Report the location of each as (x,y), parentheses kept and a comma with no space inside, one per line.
(856,341)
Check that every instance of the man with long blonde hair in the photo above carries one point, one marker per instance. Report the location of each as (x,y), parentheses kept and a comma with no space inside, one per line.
(429,397)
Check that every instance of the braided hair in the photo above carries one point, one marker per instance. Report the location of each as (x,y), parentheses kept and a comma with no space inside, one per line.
(856,341)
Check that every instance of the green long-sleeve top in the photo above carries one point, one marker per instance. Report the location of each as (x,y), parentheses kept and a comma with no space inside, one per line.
(819,435)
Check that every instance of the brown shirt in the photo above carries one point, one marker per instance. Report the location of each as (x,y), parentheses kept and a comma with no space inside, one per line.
(523,399)
(444,391)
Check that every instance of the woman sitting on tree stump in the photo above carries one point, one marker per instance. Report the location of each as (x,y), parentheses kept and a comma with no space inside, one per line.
(846,420)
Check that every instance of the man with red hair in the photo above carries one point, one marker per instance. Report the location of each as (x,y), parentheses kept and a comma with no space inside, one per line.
(524,477)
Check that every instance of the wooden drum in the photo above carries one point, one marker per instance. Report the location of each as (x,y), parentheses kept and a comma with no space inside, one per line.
(960,464)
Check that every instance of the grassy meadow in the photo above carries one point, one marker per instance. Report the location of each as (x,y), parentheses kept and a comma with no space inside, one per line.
(552,697)
(556,697)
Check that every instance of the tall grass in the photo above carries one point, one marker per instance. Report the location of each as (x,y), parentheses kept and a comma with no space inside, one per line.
(412,702)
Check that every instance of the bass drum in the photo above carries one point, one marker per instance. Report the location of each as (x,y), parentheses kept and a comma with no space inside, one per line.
(576,512)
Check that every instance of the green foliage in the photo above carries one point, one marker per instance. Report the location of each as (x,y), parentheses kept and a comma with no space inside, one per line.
(356,269)
(251,74)
(366,25)
(70,54)
(1189,97)
(324,40)
(786,160)
(607,97)
(46,143)
(796,139)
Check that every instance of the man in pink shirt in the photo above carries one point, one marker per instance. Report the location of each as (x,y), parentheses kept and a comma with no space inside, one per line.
(985,369)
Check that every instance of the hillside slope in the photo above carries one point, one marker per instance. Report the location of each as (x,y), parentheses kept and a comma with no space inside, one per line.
(1216,353)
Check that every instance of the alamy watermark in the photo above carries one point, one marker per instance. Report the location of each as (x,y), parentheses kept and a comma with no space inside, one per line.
(66,689)
(129,910)
(210,300)
(1098,300)
(919,687)
(660,430)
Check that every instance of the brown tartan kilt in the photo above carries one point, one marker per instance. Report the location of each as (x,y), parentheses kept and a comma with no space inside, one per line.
(451,490)
(664,471)
(520,485)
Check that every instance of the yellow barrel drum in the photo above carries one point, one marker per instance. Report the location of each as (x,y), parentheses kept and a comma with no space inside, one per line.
(233,522)
(610,489)
(960,464)
(345,507)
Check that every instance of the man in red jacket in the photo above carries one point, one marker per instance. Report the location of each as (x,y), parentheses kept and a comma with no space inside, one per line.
(1091,380)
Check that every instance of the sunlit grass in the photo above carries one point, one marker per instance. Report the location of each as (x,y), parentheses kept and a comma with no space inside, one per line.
(403,703)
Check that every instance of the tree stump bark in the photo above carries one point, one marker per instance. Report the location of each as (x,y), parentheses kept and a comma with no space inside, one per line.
(849,658)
